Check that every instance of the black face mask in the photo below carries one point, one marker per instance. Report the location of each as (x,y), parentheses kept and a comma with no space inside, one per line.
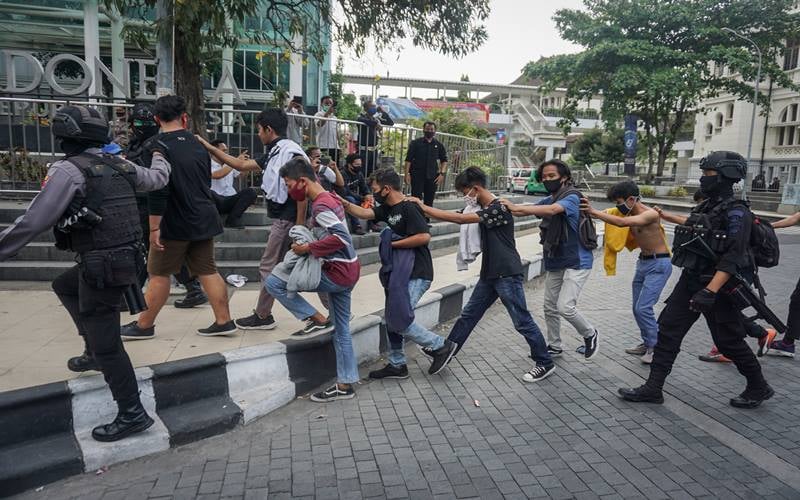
(428,134)
(623,209)
(379,197)
(144,133)
(709,184)
(552,186)
(70,147)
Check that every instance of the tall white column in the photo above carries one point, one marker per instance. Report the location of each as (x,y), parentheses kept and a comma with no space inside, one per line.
(296,70)
(91,37)
(117,51)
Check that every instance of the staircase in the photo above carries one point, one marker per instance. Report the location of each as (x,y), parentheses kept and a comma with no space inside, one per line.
(237,251)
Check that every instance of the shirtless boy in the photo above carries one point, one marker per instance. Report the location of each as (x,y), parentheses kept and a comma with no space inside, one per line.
(654,266)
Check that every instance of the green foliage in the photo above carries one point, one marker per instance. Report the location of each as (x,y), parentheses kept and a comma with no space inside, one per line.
(647,191)
(463,95)
(597,146)
(347,105)
(201,27)
(19,166)
(450,121)
(678,192)
(657,59)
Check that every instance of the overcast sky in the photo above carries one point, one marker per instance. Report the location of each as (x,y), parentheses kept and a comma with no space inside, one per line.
(519,31)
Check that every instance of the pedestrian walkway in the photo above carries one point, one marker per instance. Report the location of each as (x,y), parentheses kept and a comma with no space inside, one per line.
(37,337)
(477,430)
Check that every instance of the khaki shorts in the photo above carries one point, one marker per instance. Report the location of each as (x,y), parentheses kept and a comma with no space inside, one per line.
(198,256)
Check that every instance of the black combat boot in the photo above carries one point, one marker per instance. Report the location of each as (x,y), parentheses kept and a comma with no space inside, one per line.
(753,397)
(131,418)
(194,296)
(642,394)
(83,363)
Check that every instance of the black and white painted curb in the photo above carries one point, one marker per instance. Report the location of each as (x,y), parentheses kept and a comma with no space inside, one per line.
(46,430)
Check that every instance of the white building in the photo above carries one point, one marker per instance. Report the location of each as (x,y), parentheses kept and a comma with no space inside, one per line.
(725,125)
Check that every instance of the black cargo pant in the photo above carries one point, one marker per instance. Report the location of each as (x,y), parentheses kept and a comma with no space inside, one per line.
(793,323)
(422,187)
(95,313)
(727,325)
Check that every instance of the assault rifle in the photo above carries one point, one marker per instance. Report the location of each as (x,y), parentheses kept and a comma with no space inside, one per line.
(740,291)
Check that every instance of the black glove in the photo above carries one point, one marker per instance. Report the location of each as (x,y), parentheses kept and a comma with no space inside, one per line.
(155,145)
(703,301)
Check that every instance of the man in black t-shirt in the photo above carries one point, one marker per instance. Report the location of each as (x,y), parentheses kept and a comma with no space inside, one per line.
(426,164)
(405,219)
(183,224)
(501,270)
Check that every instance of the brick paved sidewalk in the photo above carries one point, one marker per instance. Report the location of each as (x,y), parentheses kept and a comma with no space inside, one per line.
(566,437)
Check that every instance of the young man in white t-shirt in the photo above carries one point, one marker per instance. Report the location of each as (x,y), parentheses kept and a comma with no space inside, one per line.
(228,200)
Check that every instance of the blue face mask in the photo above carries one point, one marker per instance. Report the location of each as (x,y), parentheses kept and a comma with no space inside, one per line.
(372,110)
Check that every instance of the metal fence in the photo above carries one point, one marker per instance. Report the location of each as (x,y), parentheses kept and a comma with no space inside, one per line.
(27,146)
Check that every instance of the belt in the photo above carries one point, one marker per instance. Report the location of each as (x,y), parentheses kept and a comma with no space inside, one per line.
(654,256)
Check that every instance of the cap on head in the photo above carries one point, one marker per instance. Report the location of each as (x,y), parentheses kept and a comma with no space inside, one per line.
(728,164)
(81,124)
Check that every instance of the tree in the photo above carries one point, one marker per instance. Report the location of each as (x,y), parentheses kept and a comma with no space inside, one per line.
(347,105)
(450,121)
(660,60)
(463,95)
(201,27)
(584,151)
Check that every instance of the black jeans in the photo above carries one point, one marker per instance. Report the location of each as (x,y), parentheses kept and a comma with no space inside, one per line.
(234,206)
(793,323)
(423,188)
(95,313)
(728,330)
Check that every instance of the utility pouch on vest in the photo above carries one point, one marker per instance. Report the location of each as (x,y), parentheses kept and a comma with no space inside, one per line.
(717,241)
(109,268)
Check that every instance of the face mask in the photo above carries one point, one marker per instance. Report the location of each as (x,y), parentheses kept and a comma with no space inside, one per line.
(325,108)
(428,134)
(709,184)
(372,110)
(379,197)
(470,201)
(297,193)
(624,209)
(552,186)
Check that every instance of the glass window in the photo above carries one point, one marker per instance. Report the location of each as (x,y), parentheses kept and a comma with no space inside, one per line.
(793,110)
(283,72)
(790,135)
(269,70)
(252,77)
(238,68)
(791,53)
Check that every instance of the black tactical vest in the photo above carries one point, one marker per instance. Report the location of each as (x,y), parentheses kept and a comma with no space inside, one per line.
(111,195)
(703,237)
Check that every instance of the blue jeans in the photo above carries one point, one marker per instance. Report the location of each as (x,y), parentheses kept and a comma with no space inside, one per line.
(650,278)
(346,362)
(512,295)
(415,332)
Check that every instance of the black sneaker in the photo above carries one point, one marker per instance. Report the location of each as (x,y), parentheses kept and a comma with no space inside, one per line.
(216,330)
(333,393)
(314,327)
(442,356)
(131,331)
(641,394)
(191,299)
(538,373)
(255,322)
(426,351)
(590,346)
(555,352)
(83,363)
(752,398)
(390,371)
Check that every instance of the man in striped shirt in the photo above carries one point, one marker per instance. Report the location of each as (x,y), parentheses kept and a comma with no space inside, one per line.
(340,272)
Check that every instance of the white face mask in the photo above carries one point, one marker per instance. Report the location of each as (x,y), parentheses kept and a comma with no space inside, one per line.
(470,201)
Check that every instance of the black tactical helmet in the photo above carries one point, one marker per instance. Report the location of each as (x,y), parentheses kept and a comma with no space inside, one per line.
(143,121)
(726,163)
(81,124)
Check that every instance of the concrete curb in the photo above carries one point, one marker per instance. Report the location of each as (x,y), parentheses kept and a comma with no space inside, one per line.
(46,432)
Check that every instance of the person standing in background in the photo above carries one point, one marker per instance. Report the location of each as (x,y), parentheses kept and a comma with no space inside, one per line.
(425,165)
(327,135)
(296,124)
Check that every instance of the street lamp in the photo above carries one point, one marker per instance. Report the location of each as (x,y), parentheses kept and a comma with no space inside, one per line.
(755,101)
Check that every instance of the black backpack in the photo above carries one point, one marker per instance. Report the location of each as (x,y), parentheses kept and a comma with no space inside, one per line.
(764,243)
(587,232)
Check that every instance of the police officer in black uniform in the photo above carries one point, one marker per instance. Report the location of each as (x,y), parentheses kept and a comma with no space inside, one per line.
(145,132)
(90,199)
(712,247)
